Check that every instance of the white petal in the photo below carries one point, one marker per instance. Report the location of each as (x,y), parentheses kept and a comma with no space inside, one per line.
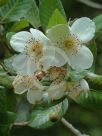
(19,40)
(84,29)
(34,96)
(57,91)
(39,36)
(58,34)
(84,85)
(24,65)
(48,57)
(19,85)
(60,57)
(81,60)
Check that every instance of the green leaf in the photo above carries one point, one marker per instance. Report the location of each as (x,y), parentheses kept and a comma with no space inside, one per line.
(14,10)
(33,15)
(93,49)
(95,81)
(2,99)
(92,101)
(7,104)
(9,35)
(47,7)
(57,18)
(7,100)
(6,81)
(6,121)
(98,22)
(44,117)
(23,23)
(2,72)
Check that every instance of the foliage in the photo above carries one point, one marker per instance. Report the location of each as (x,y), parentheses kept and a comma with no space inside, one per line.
(15,16)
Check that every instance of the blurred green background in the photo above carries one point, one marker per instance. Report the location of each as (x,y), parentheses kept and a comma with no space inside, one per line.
(86,121)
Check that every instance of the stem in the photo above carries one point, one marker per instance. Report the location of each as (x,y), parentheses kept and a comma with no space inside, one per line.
(71,128)
(20,124)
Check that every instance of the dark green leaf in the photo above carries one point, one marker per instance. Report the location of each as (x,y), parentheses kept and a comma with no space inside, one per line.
(3,2)
(7,104)
(6,121)
(6,81)
(2,99)
(44,117)
(47,7)
(7,100)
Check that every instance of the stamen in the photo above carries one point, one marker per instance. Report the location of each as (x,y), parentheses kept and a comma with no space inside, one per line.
(34,48)
(72,44)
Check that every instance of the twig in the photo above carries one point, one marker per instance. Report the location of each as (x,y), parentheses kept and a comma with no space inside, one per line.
(91,4)
(20,124)
(72,129)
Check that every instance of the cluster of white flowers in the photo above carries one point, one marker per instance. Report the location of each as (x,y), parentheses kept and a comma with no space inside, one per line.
(63,44)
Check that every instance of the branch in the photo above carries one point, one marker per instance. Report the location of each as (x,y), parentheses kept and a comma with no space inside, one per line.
(71,128)
(20,124)
(91,4)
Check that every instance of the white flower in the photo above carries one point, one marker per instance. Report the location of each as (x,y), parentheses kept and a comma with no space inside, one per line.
(57,73)
(32,46)
(57,89)
(30,85)
(72,40)
(76,88)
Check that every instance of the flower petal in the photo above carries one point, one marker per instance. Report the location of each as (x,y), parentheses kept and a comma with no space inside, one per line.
(58,34)
(84,85)
(34,96)
(19,40)
(24,64)
(19,85)
(81,60)
(39,36)
(57,90)
(47,58)
(84,29)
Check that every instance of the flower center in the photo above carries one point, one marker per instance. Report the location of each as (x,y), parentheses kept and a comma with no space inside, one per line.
(34,48)
(57,73)
(72,44)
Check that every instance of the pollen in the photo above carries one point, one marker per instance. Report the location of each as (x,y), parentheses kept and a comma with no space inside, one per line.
(26,81)
(71,44)
(56,72)
(34,48)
